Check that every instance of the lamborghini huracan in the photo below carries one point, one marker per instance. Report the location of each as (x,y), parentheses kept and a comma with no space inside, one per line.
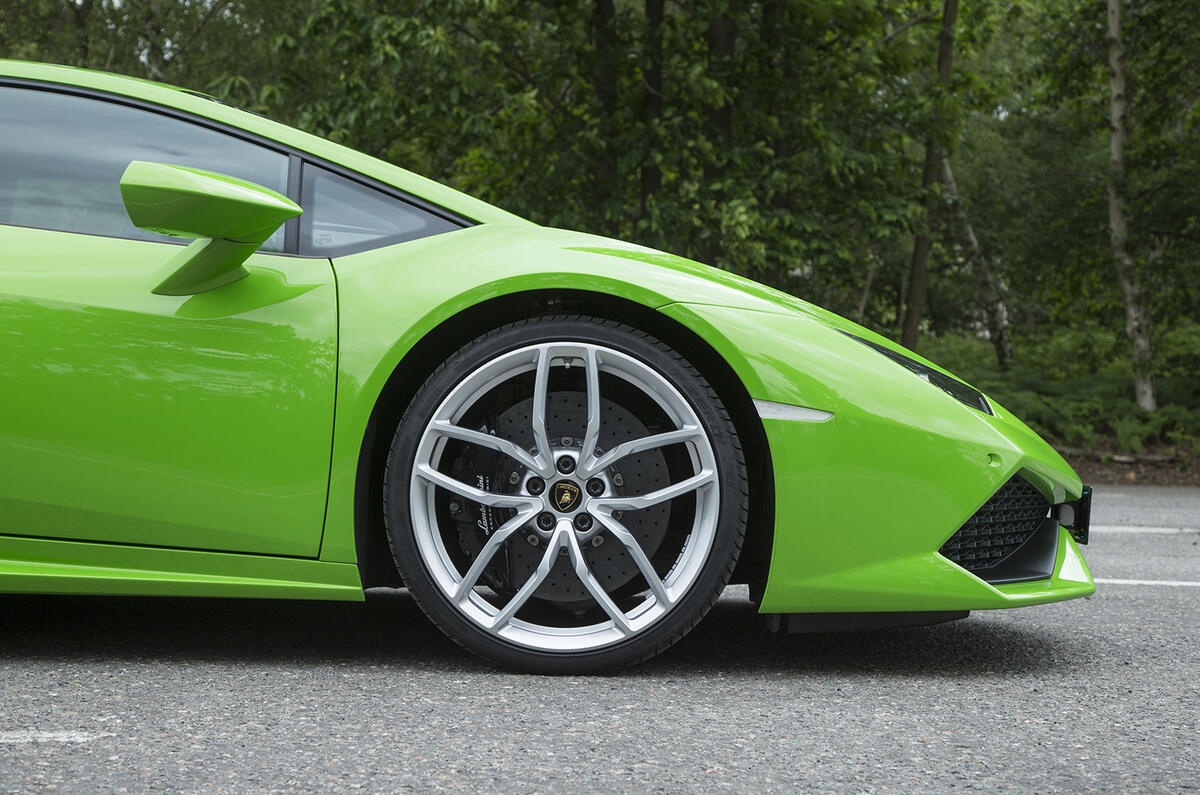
(563,446)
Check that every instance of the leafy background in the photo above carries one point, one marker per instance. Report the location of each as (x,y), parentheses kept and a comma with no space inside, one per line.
(788,141)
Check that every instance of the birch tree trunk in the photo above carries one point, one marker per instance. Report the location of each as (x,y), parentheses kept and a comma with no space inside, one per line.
(923,243)
(995,310)
(1136,319)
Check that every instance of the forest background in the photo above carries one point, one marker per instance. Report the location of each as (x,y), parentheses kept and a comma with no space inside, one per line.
(1009,187)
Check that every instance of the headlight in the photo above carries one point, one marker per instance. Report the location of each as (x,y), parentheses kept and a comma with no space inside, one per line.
(963,393)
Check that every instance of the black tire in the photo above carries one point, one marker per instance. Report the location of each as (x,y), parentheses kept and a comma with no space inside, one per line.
(731,491)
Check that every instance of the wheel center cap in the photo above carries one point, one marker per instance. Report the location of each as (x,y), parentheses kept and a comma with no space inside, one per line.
(565,495)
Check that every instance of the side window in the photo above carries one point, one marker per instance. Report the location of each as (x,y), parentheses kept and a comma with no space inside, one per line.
(62,156)
(342,216)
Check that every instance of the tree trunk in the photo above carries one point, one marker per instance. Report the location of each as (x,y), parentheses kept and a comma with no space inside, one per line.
(919,268)
(83,19)
(604,85)
(918,271)
(651,174)
(994,307)
(1136,319)
(722,34)
(865,296)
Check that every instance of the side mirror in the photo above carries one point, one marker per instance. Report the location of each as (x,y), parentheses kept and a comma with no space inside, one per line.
(229,217)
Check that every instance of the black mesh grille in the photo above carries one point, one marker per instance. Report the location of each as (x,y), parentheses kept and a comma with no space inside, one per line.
(999,528)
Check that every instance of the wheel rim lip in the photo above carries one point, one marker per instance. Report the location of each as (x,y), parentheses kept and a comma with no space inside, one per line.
(677,581)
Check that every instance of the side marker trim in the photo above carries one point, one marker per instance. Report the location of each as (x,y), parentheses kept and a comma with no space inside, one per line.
(769,410)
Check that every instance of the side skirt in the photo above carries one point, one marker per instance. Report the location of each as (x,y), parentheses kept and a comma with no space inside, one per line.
(49,566)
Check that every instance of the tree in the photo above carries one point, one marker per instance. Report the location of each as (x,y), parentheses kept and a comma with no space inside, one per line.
(990,291)
(186,42)
(1136,318)
(934,145)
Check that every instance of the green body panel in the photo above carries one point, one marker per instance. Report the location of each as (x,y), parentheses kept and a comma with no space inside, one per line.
(200,422)
(862,501)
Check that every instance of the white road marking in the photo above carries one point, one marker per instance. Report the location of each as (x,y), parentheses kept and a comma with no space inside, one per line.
(29,736)
(1172,583)
(1113,528)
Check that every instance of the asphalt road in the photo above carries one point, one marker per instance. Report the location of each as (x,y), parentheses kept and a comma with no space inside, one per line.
(137,695)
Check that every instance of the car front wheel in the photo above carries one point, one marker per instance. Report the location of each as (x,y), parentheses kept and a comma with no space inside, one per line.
(566,494)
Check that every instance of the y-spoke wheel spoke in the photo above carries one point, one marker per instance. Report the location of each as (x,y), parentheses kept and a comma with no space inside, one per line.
(489,551)
(543,570)
(472,493)
(655,497)
(624,449)
(639,556)
(446,428)
(620,620)
(592,432)
(541,393)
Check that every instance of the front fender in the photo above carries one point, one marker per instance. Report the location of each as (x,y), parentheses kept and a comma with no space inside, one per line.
(864,499)
(389,299)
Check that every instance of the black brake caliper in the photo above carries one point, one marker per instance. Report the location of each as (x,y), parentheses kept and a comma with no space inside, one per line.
(487,470)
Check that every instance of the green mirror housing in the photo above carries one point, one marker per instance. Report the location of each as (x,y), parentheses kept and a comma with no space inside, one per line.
(229,217)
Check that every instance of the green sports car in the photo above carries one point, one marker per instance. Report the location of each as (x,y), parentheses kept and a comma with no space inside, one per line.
(564,446)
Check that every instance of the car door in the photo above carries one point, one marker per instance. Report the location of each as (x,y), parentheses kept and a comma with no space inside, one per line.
(197,422)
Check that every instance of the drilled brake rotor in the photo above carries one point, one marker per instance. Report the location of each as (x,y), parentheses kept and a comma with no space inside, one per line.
(610,563)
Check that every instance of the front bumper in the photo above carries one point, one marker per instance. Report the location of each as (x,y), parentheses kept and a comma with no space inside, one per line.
(856,536)
(864,500)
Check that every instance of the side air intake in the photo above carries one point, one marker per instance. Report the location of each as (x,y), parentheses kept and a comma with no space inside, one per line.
(1005,524)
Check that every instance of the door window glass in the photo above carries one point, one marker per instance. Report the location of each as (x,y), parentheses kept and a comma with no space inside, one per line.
(62,156)
(342,216)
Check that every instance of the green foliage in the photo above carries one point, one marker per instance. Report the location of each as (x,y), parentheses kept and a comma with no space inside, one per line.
(783,140)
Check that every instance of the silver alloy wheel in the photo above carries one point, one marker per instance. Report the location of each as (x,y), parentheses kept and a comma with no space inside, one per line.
(465,591)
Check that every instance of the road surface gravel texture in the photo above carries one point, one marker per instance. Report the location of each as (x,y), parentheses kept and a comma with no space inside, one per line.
(106,694)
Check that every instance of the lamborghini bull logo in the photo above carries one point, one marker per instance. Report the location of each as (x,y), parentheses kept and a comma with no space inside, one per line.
(566,496)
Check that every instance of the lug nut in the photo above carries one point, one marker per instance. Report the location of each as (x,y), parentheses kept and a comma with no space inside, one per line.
(595,487)
(568,441)
(618,479)
(583,522)
(514,478)
(535,486)
(533,539)
(566,465)
(597,540)
(545,520)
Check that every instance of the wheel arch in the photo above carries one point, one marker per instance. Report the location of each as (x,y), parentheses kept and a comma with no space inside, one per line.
(371,547)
